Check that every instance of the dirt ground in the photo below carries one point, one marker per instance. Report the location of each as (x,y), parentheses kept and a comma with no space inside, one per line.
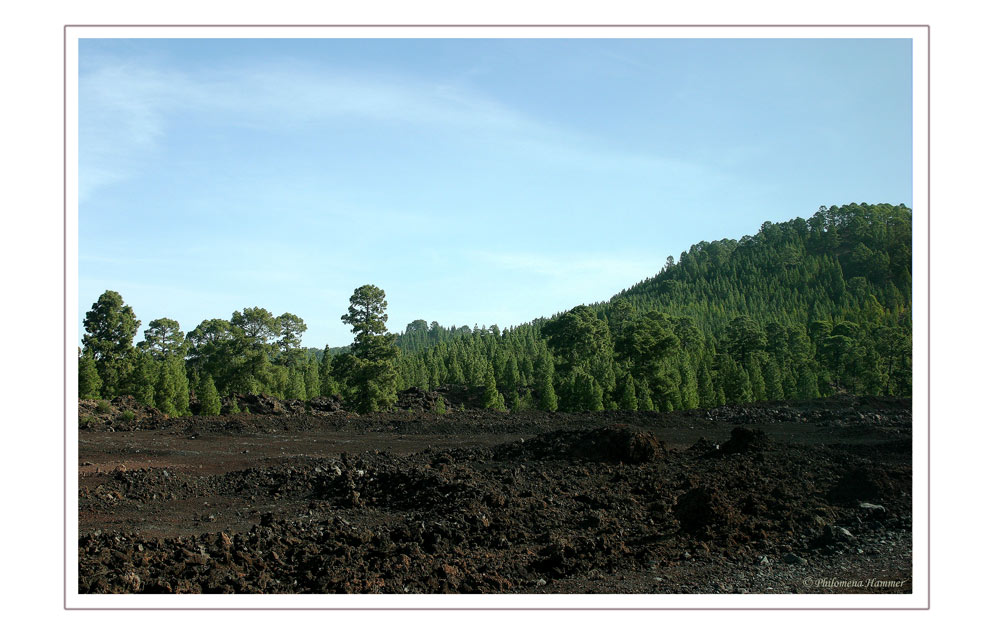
(774,498)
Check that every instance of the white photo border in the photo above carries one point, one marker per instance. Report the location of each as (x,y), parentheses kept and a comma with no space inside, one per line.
(919,599)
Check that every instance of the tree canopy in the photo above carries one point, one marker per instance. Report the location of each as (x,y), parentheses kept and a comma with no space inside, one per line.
(804,308)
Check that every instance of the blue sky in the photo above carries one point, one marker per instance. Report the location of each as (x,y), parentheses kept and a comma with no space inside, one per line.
(475,181)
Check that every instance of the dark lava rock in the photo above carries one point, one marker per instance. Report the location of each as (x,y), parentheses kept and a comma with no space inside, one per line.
(703,510)
(703,447)
(122,413)
(258,403)
(873,511)
(863,483)
(833,535)
(744,440)
(326,404)
(617,443)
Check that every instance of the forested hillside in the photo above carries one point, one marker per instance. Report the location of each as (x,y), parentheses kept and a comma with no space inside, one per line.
(801,309)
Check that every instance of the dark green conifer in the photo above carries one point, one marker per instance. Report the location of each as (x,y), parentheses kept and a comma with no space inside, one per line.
(89,379)
(628,402)
(208,397)
(492,399)
(544,388)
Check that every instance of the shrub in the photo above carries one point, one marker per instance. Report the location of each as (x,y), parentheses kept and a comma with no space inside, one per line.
(127,416)
(103,407)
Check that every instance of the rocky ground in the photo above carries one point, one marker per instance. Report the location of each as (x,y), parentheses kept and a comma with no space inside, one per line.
(771,498)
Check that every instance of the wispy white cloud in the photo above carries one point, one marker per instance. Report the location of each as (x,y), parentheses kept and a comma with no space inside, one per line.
(128,108)
(123,110)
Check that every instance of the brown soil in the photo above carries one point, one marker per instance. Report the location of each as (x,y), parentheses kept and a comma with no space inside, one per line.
(737,499)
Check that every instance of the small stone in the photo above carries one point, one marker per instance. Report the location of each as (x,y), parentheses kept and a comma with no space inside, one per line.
(835,534)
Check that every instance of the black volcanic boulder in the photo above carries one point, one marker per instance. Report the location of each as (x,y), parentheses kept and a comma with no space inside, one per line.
(744,440)
(326,404)
(706,511)
(864,483)
(261,404)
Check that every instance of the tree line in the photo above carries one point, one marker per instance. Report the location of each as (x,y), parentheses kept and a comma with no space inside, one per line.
(802,309)
(252,352)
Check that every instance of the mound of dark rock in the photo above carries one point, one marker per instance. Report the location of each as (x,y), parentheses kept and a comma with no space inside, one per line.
(419,400)
(462,396)
(706,511)
(744,440)
(614,444)
(703,447)
(261,404)
(122,413)
(326,404)
(864,483)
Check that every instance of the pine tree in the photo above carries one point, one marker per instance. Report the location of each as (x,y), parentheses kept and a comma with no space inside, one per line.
(644,397)
(110,326)
(142,379)
(806,388)
(296,389)
(89,379)
(628,399)
(164,394)
(181,388)
(743,389)
(373,364)
(735,381)
(326,387)
(773,381)
(208,397)
(706,387)
(511,376)
(758,389)
(311,378)
(492,399)
(547,400)
(789,382)
(688,384)
(594,400)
